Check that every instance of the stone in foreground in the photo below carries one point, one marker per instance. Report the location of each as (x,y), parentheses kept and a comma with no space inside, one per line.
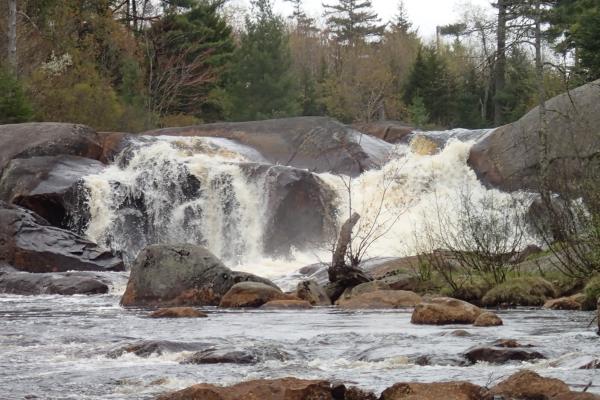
(180,275)
(287,305)
(433,391)
(277,389)
(488,319)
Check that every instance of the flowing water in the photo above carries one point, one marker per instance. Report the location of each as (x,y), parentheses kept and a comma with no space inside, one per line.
(57,347)
(198,190)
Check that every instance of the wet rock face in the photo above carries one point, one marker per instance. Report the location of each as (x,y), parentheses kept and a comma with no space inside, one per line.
(150,347)
(502,355)
(51,186)
(47,139)
(29,243)
(312,292)
(215,356)
(508,157)
(178,275)
(178,312)
(68,283)
(300,210)
(390,131)
(318,144)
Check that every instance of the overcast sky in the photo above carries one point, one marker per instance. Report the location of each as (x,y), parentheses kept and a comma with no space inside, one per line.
(425,14)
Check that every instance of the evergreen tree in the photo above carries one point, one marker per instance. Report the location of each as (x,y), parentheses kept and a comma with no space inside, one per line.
(401,23)
(14,106)
(353,21)
(575,29)
(303,22)
(261,85)
(191,51)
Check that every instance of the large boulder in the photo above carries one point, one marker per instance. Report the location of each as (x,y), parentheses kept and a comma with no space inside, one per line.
(180,275)
(251,294)
(380,299)
(433,391)
(488,319)
(277,389)
(29,243)
(300,207)
(47,139)
(445,310)
(566,303)
(65,283)
(508,157)
(48,185)
(318,144)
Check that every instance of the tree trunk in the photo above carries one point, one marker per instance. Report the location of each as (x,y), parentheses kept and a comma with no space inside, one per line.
(339,255)
(500,67)
(12,35)
(543,129)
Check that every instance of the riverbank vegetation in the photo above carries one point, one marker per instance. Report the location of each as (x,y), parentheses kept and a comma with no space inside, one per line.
(136,64)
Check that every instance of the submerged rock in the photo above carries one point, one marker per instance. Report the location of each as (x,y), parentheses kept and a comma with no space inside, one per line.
(29,243)
(251,294)
(66,283)
(178,312)
(147,348)
(181,275)
(222,356)
(445,310)
(501,355)
(287,305)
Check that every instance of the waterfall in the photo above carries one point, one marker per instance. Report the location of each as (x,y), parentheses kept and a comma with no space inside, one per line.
(202,190)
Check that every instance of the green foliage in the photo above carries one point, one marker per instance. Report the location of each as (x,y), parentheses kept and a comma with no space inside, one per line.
(592,293)
(261,85)
(525,291)
(353,22)
(14,106)
(77,94)
(575,29)
(417,112)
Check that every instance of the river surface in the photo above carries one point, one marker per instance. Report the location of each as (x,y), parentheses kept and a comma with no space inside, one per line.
(54,347)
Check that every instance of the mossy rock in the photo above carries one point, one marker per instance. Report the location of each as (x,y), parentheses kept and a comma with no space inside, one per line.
(527,291)
(591,293)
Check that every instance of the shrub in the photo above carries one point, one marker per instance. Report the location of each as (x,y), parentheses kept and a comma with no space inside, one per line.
(526,291)
(592,294)
(14,106)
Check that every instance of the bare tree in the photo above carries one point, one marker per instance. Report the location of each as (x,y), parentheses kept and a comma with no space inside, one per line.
(12,35)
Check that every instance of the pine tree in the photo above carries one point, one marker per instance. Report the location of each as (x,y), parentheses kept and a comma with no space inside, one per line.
(14,107)
(401,23)
(353,21)
(303,22)
(261,85)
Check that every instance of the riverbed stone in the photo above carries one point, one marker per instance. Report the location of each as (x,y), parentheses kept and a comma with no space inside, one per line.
(381,299)
(501,355)
(487,319)
(566,303)
(287,305)
(445,310)
(29,243)
(251,295)
(66,283)
(262,389)
(181,275)
(178,312)
(222,356)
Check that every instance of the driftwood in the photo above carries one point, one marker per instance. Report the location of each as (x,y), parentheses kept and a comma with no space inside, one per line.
(341,275)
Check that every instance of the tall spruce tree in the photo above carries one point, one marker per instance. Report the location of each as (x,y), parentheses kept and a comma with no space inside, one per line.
(353,21)
(261,85)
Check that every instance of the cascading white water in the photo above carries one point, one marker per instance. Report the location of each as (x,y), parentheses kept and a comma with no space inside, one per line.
(170,190)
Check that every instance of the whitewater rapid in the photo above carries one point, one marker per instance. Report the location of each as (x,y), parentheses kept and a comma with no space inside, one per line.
(195,190)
